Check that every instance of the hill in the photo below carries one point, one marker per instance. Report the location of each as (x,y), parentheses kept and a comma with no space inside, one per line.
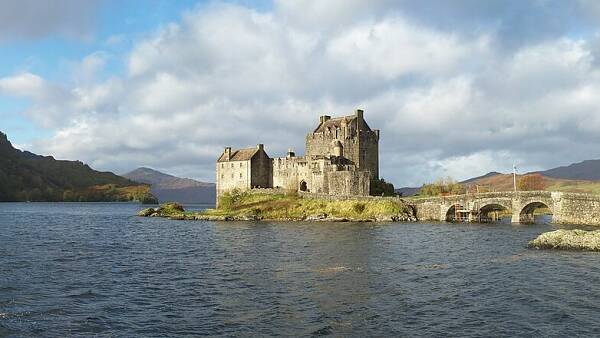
(587,170)
(25,176)
(171,188)
(504,182)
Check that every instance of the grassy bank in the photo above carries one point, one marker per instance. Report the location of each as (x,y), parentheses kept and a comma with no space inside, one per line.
(244,205)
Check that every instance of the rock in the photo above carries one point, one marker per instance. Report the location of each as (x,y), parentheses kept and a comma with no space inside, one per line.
(177,217)
(317,217)
(146,212)
(568,240)
(171,206)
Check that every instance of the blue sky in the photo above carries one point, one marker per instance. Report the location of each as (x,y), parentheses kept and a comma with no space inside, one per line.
(458,88)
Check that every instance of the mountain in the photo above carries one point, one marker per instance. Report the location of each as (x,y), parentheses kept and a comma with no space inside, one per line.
(25,176)
(581,177)
(587,170)
(170,188)
(490,174)
(407,191)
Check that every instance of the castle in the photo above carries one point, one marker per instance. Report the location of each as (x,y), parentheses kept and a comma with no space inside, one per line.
(342,156)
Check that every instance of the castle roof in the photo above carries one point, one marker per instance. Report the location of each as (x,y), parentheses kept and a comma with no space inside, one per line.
(239,155)
(336,122)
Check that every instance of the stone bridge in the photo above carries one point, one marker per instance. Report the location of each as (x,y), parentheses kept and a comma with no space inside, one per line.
(566,208)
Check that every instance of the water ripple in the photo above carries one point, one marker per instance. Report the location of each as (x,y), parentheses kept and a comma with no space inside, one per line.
(93,269)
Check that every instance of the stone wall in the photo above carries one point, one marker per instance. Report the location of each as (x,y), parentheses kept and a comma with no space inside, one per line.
(346,197)
(348,183)
(233,175)
(288,172)
(577,209)
(369,152)
(261,170)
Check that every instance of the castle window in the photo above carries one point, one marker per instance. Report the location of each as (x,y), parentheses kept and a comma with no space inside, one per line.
(222,176)
(240,175)
(231,175)
(241,164)
(232,165)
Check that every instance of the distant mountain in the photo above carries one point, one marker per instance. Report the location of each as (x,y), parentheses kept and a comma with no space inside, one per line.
(488,175)
(586,170)
(171,188)
(25,176)
(407,191)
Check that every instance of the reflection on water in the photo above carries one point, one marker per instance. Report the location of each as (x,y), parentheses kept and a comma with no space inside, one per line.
(94,269)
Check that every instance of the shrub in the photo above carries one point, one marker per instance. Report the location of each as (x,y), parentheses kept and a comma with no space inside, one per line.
(358,207)
(231,199)
(442,186)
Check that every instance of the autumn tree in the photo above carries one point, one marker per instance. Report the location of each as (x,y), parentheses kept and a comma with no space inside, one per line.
(531,182)
(442,186)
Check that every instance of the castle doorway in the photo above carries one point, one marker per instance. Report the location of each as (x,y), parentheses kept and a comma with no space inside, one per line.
(303,186)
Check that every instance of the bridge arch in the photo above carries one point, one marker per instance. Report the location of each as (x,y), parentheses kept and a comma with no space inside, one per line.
(491,212)
(527,212)
(453,213)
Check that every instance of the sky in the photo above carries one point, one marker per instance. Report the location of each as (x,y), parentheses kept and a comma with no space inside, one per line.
(457,88)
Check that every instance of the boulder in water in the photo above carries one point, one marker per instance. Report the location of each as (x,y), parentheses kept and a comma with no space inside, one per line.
(568,240)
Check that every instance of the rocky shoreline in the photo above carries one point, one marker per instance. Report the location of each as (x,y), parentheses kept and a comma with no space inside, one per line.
(175,211)
(576,240)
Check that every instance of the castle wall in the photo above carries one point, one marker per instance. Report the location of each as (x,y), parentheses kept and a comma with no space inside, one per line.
(369,152)
(288,172)
(261,171)
(348,183)
(233,175)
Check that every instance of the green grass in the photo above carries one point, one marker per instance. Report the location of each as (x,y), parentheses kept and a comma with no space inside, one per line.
(282,206)
(574,186)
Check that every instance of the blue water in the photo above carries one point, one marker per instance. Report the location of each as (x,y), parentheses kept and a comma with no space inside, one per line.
(94,269)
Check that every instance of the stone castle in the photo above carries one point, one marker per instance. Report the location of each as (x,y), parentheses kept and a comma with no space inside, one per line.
(342,156)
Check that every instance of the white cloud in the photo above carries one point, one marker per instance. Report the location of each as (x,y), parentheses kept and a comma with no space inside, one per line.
(448,103)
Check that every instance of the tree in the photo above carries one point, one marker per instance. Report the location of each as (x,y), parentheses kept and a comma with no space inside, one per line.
(381,188)
(531,182)
(442,186)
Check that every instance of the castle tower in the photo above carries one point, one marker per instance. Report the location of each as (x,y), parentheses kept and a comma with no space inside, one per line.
(357,141)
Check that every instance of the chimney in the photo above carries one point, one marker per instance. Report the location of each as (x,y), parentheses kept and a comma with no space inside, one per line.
(227,153)
(260,146)
(360,119)
(291,153)
(324,118)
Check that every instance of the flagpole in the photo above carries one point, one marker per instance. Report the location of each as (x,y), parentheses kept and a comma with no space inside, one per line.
(515,177)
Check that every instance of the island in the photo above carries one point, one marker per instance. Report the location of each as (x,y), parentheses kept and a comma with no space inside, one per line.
(253,205)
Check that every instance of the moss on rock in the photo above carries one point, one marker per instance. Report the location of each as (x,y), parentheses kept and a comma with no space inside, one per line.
(568,240)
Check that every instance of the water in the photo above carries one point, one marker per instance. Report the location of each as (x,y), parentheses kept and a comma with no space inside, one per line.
(94,269)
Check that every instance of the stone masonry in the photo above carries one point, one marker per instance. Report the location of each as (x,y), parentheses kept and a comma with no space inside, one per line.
(566,208)
(342,156)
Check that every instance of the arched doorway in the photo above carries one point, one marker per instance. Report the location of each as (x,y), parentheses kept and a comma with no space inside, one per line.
(494,213)
(535,213)
(303,186)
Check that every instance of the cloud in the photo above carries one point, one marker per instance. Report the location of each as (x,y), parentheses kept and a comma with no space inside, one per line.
(453,102)
(32,19)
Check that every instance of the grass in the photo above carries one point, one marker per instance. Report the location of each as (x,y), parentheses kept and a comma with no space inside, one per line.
(290,206)
(576,186)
